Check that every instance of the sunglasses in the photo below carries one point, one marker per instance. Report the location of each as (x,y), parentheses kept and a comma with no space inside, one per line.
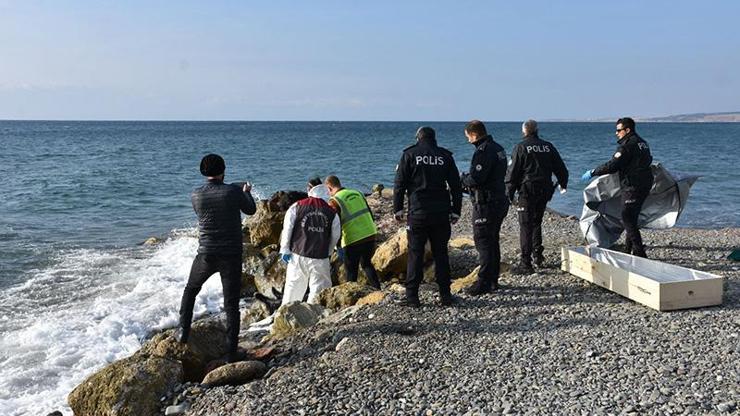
(618,130)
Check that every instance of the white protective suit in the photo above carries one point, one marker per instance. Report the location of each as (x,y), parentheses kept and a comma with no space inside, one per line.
(305,272)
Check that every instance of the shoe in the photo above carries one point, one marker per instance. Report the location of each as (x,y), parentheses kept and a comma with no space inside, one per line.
(522,269)
(235,356)
(409,302)
(479,288)
(538,260)
(182,335)
(448,300)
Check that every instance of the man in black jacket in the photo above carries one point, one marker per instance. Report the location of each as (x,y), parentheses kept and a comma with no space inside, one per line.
(533,162)
(424,174)
(218,206)
(632,161)
(485,181)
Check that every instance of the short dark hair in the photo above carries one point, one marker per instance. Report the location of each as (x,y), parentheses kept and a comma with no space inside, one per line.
(212,165)
(476,127)
(627,123)
(333,181)
(314,181)
(425,133)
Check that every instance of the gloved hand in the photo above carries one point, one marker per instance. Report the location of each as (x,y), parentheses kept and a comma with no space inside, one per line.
(340,254)
(398,216)
(454,218)
(285,257)
(587,176)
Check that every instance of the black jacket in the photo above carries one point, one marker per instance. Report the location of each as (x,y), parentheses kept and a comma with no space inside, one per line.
(218,206)
(632,160)
(487,170)
(424,173)
(533,162)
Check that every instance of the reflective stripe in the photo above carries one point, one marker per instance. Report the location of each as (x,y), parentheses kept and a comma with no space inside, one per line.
(356,225)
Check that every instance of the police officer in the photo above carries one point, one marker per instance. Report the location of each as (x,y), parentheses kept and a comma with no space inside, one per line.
(533,162)
(485,181)
(632,160)
(427,174)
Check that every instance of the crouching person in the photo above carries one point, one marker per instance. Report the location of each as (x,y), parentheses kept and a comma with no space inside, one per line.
(311,229)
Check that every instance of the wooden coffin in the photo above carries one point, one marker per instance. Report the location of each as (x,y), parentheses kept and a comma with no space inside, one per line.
(655,284)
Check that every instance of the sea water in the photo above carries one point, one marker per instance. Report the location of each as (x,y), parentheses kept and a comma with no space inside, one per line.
(77,288)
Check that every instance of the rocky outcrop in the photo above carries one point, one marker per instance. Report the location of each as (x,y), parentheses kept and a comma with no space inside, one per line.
(207,342)
(459,285)
(344,295)
(128,387)
(235,374)
(391,256)
(265,225)
(296,315)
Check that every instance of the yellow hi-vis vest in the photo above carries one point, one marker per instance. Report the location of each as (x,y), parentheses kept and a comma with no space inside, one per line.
(357,222)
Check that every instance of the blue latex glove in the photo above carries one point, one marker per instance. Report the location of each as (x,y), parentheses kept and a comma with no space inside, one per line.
(587,176)
(340,254)
(285,257)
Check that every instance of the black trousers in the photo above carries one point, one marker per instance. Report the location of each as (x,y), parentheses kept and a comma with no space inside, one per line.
(205,266)
(438,235)
(486,238)
(631,205)
(361,254)
(530,214)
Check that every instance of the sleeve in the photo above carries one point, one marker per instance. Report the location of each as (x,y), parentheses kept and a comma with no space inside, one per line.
(336,232)
(620,158)
(400,184)
(287,232)
(514,175)
(453,181)
(559,168)
(247,204)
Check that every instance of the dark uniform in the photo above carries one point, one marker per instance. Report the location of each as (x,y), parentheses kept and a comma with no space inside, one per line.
(423,174)
(533,163)
(632,160)
(490,206)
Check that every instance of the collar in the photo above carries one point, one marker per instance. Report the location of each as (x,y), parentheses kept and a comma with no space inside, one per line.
(482,140)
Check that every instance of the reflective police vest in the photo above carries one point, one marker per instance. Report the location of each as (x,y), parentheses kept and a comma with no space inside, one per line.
(357,222)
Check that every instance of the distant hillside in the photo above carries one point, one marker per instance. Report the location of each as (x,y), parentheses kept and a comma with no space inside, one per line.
(731,117)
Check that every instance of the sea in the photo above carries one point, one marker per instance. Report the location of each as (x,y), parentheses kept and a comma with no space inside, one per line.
(78,288)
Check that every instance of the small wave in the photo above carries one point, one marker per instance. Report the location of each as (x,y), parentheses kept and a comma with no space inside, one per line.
(86,310)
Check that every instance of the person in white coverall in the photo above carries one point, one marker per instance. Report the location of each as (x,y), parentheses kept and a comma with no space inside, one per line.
(311,229)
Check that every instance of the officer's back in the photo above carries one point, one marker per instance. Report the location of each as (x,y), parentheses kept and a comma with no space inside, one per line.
(423,173)
(534,161)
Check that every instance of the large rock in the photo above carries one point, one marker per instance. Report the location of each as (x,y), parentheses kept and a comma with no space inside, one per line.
(282,200)
(462,243)
(344,295)
(372,299)
(235,374)
(265,225)
(131,386)
(207,342)
(271,277)
(391,256)
(296,315)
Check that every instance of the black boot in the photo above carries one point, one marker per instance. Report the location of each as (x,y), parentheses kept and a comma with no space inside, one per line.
(522,268)
(446,299)
(538,260)
(480,287)
(409,301)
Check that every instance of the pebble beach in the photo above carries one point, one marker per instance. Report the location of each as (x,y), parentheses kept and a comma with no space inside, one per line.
(547,343)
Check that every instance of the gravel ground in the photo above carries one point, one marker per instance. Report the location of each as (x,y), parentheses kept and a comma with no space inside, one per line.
(548,343)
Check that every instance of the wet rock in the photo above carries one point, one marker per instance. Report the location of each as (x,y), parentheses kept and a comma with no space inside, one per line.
(265,225)
(152,241)
(256,311)
(344,295)
(128,387)
(235,374)
(294,316)
(177,409)
(378,189)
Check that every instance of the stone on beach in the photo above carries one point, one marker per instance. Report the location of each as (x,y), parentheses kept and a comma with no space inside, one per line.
(344,295)
(294,316)
(392,255)
(235,374)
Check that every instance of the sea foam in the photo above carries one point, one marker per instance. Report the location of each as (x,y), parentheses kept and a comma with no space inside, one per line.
(87,309)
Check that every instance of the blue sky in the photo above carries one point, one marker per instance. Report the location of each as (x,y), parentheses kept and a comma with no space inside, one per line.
(371,60)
